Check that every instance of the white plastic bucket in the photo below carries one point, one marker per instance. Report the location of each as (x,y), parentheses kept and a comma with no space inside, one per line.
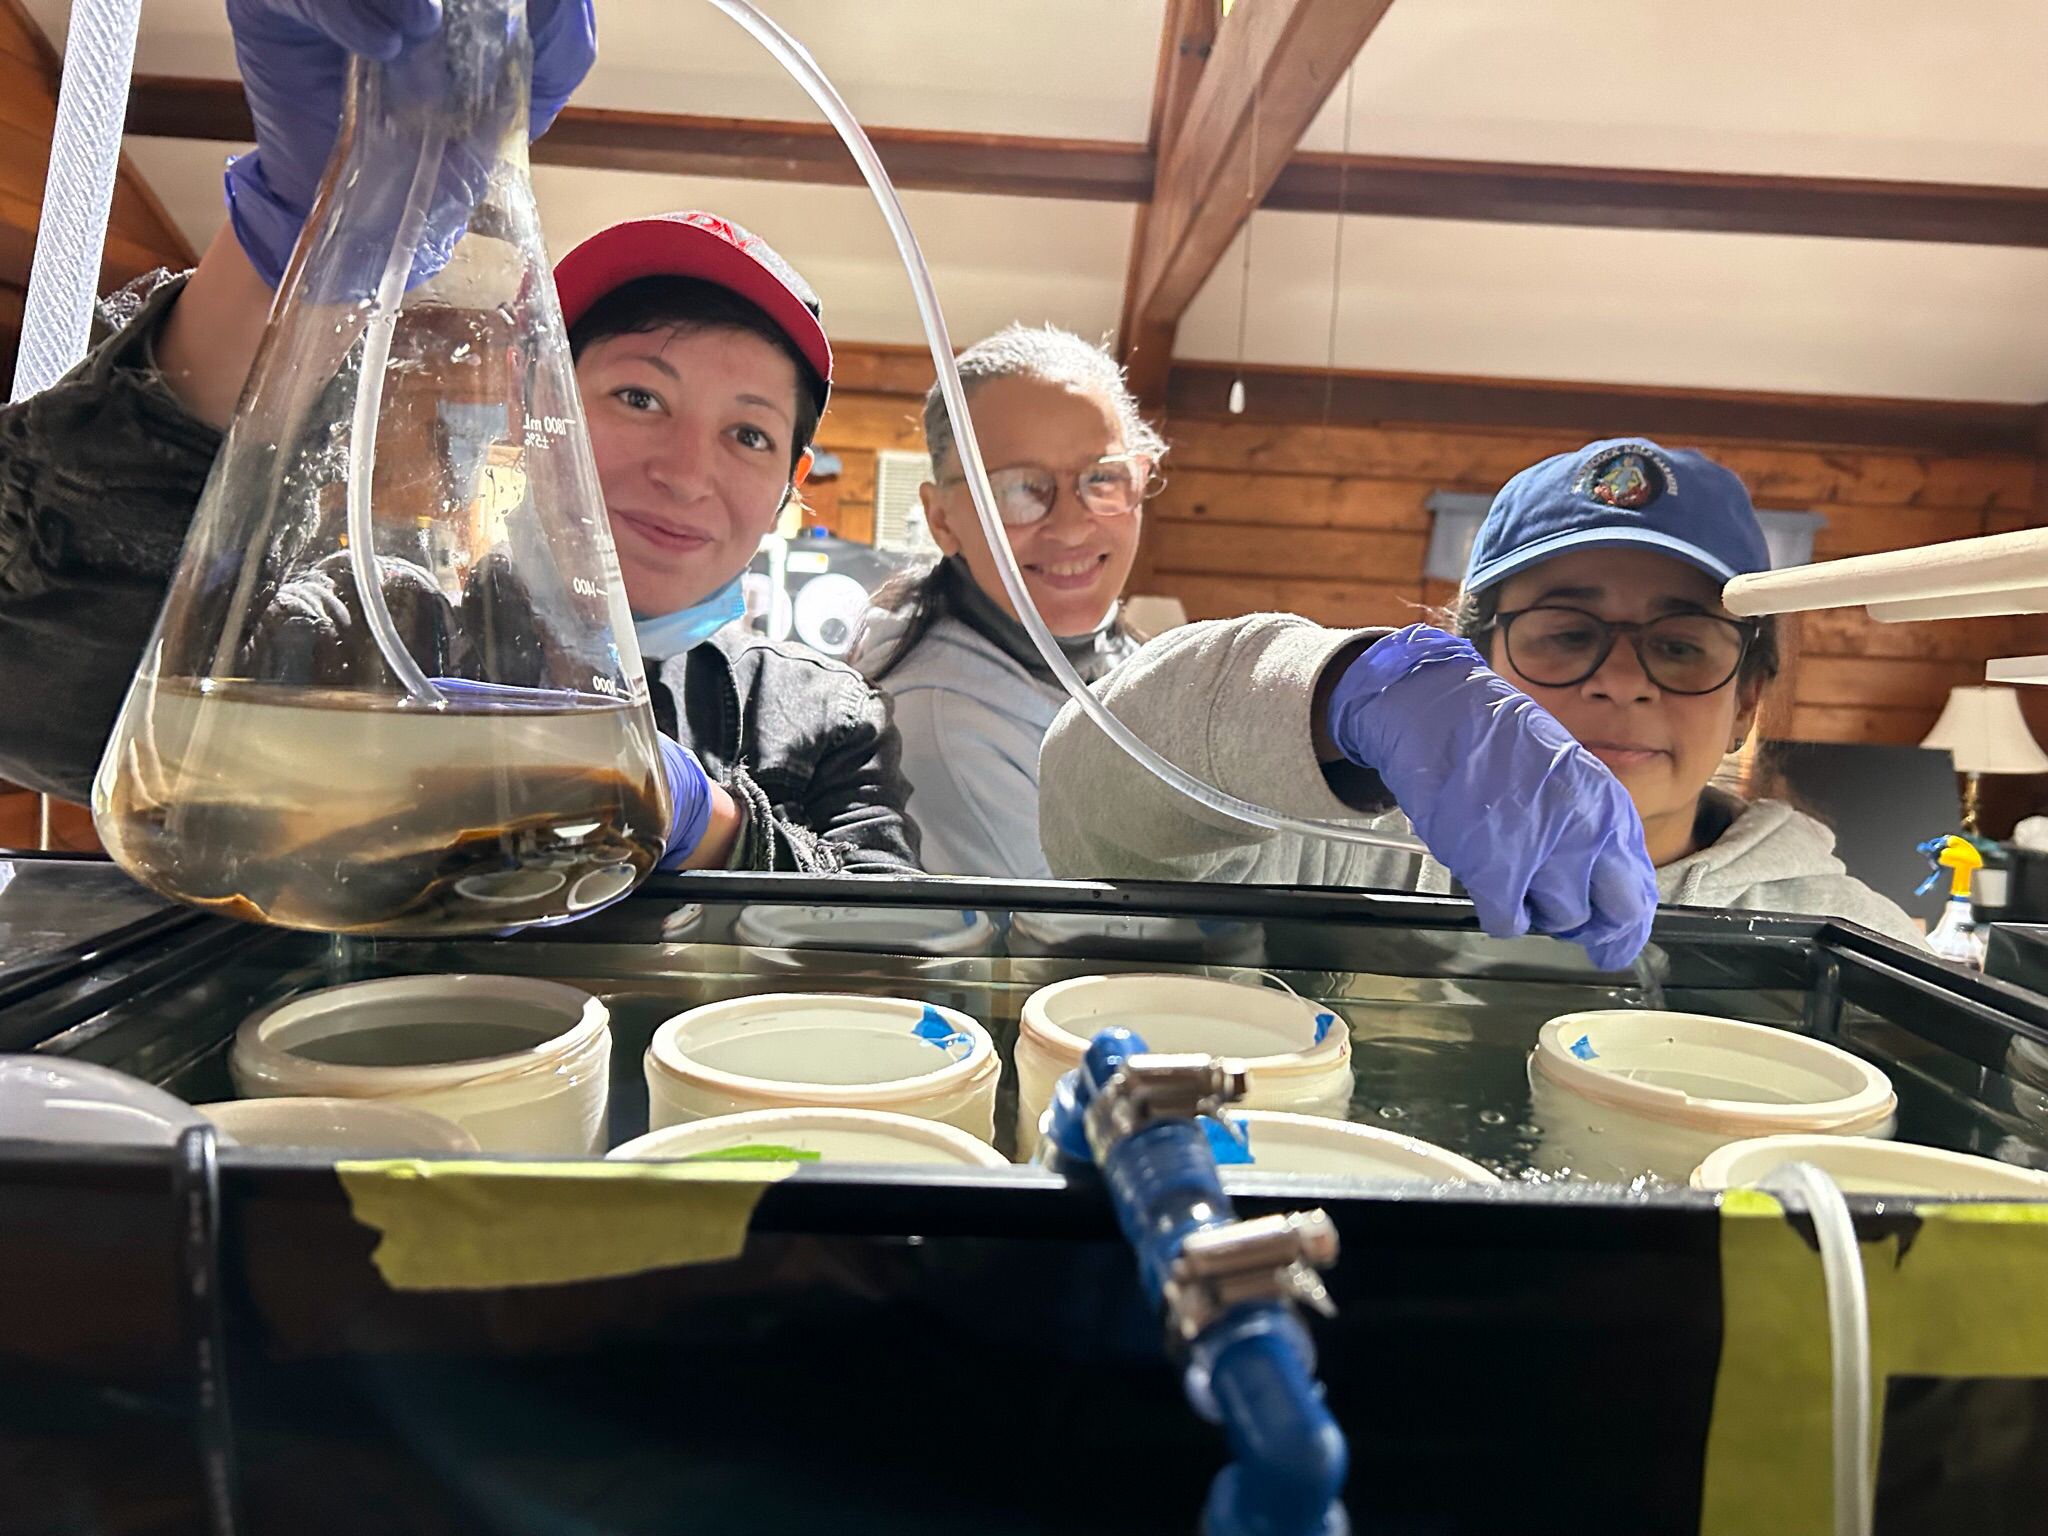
(54,1098)
(1282,1143)
(1295,1052)
(1206,940)
(1620,1093)
(783,1050)
(1862,1166)
(521,1064)
(934,931)
(340,1125)
(828,1135)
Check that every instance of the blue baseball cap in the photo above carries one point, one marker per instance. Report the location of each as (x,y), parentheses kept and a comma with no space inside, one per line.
(1623,492)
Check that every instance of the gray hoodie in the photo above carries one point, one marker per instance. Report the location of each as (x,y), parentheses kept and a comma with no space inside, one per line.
(971,700)
(1230,701)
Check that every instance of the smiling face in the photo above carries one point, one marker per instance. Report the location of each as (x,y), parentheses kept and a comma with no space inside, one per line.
(1075,563)
(1664,747)
(692,429)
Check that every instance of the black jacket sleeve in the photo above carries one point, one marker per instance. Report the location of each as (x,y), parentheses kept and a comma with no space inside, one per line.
(849,819)
(807,748)
(99,477)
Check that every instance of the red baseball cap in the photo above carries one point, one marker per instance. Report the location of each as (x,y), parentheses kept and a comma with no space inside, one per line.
(700,245)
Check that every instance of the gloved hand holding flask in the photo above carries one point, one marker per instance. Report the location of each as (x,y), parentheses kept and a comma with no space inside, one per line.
(690,796)
(294,57)
(1539,832)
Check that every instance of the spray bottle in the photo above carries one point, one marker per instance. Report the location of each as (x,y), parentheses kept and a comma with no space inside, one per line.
(1957,936)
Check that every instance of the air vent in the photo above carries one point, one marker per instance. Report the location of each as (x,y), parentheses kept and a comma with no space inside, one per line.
(899,516)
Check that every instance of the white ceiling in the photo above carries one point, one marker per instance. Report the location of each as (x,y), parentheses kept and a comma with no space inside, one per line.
(1884,88)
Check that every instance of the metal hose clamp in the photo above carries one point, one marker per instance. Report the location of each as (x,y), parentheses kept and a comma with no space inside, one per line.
(1271,1258)
(1152,1087)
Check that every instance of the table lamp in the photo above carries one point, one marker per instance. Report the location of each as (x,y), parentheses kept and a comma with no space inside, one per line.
(1983,730)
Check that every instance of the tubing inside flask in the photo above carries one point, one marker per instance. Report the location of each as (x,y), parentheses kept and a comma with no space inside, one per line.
(362,449)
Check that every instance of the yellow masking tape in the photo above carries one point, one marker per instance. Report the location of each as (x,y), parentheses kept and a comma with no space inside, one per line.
(1966,1294)
(482,1225)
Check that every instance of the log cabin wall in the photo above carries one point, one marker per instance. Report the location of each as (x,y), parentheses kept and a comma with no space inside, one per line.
(1331,522)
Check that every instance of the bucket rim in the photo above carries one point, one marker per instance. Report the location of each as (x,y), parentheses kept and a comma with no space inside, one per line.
(1871,1102)
(256,1055)
(1335,1046)
(663,1057)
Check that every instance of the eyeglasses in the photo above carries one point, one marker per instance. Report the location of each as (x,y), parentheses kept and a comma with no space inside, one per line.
(1113,486)
(1684,653)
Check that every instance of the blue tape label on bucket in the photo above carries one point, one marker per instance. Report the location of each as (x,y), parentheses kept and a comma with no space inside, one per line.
(934,1027)
(1324,1023)
(1583,1049)
(1229,1141)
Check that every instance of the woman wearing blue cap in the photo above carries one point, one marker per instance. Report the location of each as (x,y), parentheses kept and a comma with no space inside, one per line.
(1555,753)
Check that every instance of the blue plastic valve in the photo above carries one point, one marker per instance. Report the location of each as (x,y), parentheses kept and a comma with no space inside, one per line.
(1251,1368)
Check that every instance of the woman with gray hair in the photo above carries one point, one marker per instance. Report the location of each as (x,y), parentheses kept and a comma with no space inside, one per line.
(1070,460)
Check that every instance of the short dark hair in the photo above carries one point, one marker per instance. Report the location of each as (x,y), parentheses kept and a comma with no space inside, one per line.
(692,304)
(1475,614)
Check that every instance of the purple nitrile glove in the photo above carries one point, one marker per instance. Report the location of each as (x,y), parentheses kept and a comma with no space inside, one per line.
(689,791)
(294,57)
(1537,829)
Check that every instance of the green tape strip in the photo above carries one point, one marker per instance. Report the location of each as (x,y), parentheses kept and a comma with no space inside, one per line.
(1967,1295)
(486,1225)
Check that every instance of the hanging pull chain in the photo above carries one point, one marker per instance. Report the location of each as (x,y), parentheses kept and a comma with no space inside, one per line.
(1337,251)
(1244,281)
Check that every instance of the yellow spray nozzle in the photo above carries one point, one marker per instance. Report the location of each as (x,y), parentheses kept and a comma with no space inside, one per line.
(1960,855)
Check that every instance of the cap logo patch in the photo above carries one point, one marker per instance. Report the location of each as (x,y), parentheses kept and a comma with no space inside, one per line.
(1631,476)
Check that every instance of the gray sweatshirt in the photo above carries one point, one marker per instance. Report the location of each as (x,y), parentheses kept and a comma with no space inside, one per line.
(971,700)
(1230,701)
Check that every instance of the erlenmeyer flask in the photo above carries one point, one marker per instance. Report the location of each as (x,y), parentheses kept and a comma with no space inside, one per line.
(394,687)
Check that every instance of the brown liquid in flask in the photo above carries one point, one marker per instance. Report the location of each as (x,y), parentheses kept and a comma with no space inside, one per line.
(299,807)
(394,687)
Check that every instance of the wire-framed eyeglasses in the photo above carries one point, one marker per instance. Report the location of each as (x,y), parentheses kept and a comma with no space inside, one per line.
(1113,486)
(1683,653)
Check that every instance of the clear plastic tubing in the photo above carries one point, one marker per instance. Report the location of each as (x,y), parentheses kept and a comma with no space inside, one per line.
(804,70)
(1841,1267)
(78,192)
(362,438)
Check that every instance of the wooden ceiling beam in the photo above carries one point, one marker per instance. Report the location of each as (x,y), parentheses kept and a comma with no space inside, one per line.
(1271,68)
(1604,197)
(1102,170)
(746,149)
(1187,35)
(1199,391)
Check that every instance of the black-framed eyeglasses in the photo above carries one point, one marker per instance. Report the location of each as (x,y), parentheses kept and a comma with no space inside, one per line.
(1113,486)
(1684,653)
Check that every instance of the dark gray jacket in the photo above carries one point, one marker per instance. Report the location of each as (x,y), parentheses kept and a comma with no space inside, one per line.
(99,478)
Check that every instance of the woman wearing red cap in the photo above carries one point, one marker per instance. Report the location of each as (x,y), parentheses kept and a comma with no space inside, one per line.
(703,370)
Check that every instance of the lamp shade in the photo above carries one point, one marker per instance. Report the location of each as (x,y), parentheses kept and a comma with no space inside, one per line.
(1983,730)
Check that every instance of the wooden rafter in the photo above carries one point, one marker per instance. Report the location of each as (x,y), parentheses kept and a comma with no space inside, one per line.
(1187,35)
(1269,72)
(1103,170)
(749,149)
(1199,391)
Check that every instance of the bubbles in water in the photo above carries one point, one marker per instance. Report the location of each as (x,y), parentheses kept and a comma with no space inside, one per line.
(1390,1111)
(1492,1117)
(1527,1129)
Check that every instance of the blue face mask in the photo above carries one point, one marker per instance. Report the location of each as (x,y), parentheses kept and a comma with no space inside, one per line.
(674,633)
